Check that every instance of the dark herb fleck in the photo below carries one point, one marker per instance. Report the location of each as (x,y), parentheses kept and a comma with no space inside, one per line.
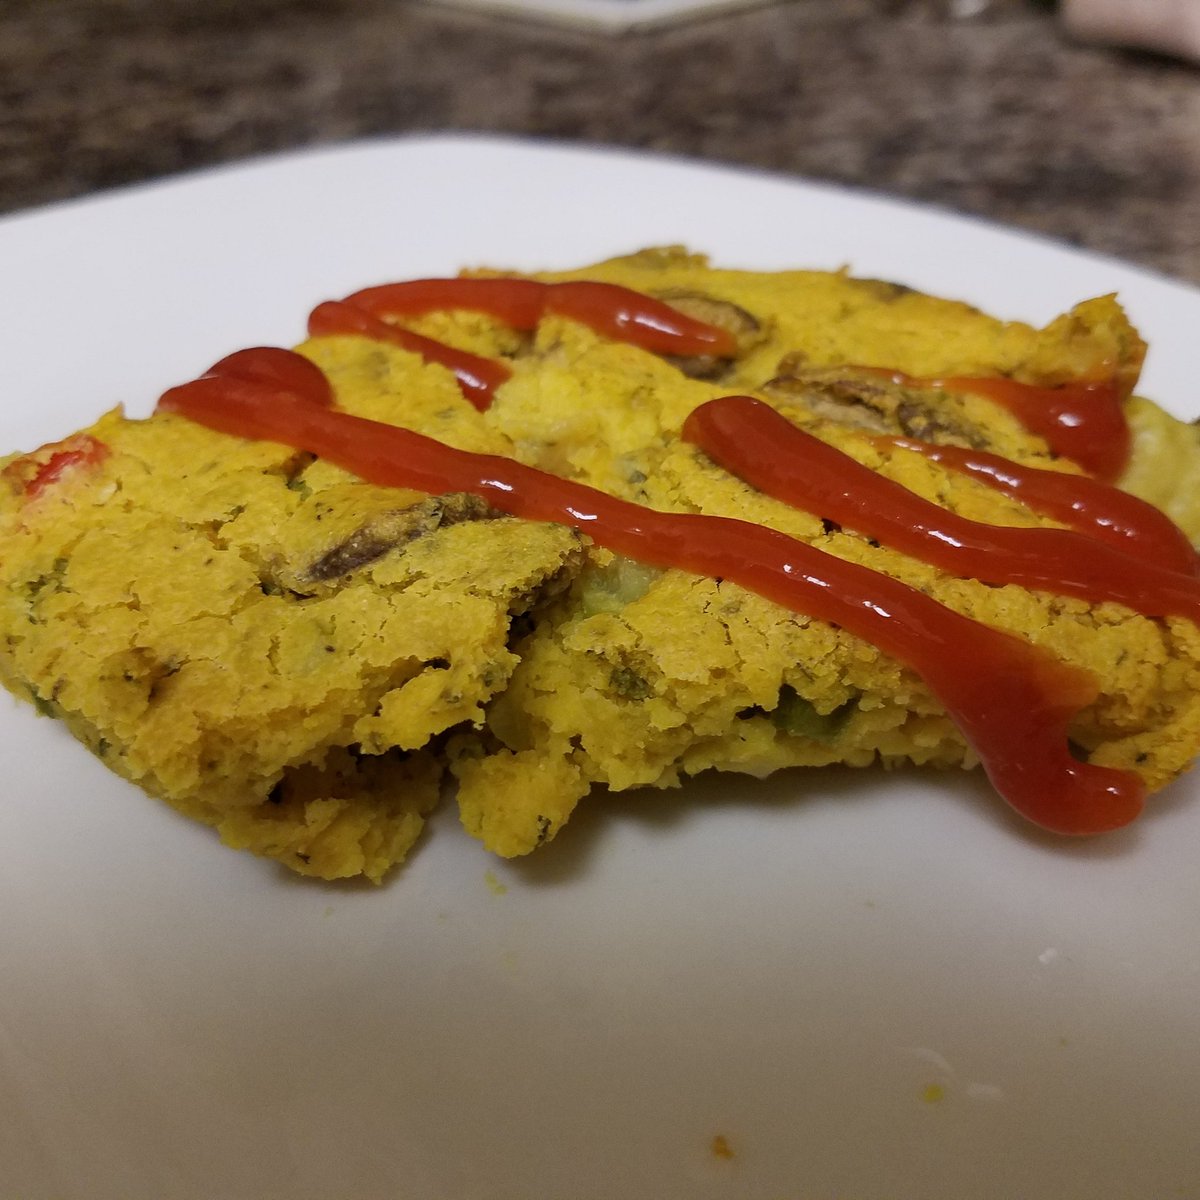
(628,683)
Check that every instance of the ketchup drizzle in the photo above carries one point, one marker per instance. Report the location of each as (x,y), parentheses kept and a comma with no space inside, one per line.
(614,311)
(279,369)
(753,441)
(477,377)
(1012,701)
(1083,420)
(1086,504)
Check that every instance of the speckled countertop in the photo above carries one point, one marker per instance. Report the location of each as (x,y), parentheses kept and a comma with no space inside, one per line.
(978,105)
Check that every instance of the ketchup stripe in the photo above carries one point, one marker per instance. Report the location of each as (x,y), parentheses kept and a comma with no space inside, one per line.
(754,442)
(278,369)
(1086,504)
(615,311)
(517,302)
(477,377)
(1012,701)
(1083,420)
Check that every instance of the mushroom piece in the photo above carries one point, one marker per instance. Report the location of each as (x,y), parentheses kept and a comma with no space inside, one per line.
(389,530)
(873,403)
(745,328)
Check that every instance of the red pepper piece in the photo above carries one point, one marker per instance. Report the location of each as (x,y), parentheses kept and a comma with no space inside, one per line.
(34,473)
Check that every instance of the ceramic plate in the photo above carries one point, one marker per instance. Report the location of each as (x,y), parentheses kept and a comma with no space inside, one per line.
(610,16)
(828,986)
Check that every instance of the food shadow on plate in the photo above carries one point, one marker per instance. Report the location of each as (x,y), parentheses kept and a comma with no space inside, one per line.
(665,812)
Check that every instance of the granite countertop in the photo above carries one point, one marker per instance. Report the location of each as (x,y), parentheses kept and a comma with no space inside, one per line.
(979,105)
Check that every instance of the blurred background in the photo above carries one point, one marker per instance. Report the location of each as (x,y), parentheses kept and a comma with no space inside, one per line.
(1052,117)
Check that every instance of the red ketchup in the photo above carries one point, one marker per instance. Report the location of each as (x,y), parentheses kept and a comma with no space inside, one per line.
(614,311)
(753,441)
(271,367)
(1086,504)
(477,377)
(1013,701)
(1083,421)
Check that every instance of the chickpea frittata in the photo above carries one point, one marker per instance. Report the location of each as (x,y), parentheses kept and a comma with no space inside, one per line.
(308,661)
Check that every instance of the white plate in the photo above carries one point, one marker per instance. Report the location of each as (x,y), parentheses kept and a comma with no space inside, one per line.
(874,988)
(611,16)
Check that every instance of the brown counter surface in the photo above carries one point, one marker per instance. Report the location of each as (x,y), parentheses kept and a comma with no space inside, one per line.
(982,107)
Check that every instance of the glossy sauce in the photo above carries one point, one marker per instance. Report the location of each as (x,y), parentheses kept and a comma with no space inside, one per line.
(279,369)
(613,311)
(1088,505)
(1083,421)
(1013,702)
(477,377)
(754,442)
